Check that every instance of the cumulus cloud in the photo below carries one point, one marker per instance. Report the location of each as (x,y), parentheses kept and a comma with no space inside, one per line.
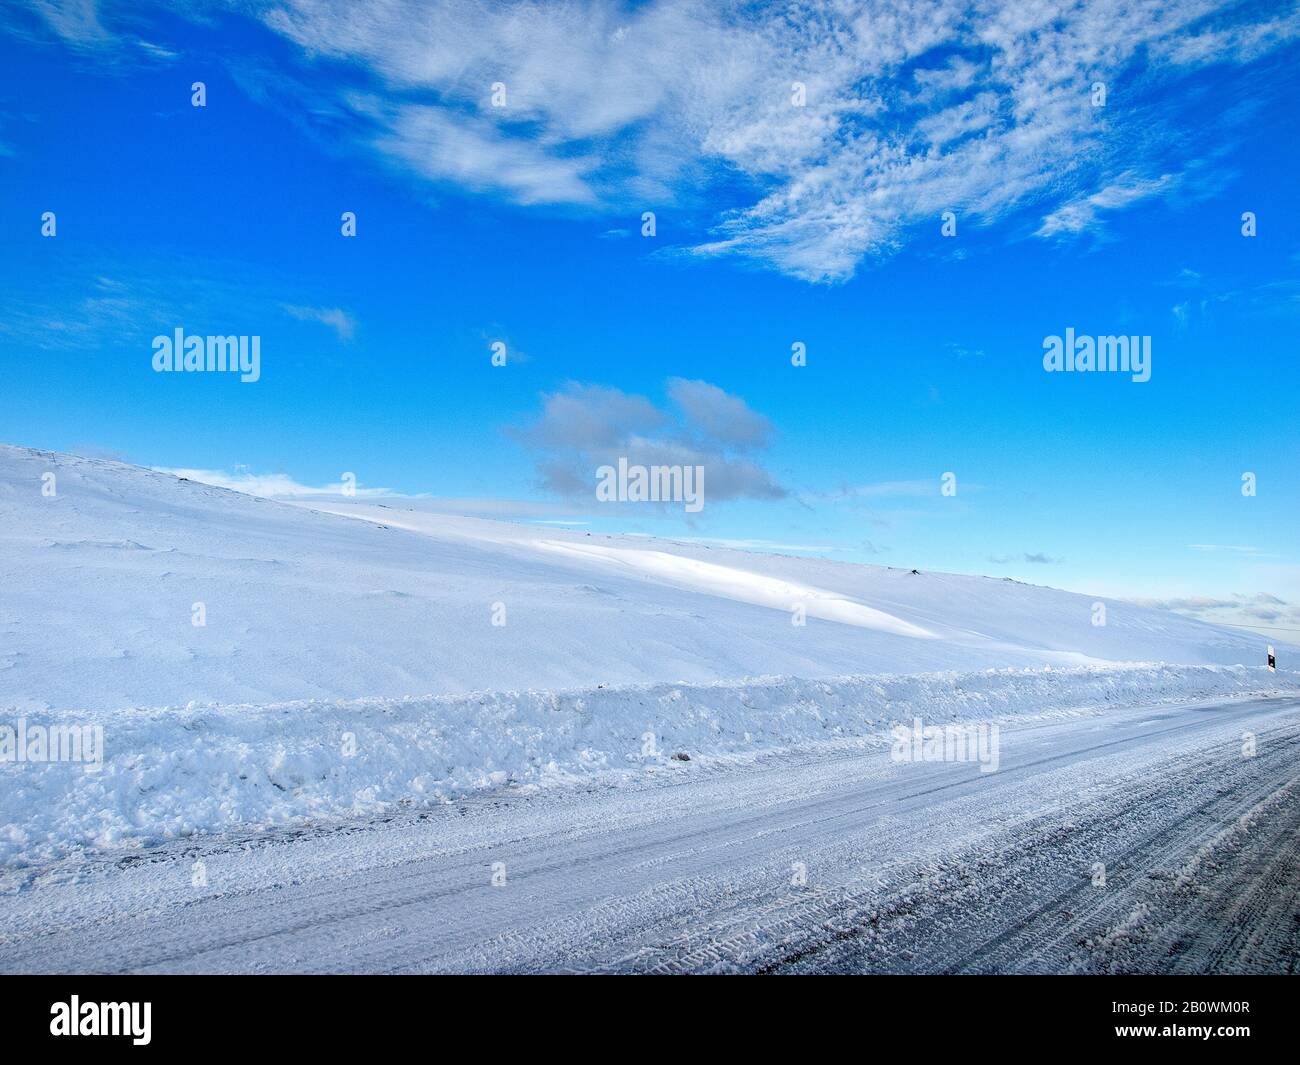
(721,417)
(582,417)
(583,427)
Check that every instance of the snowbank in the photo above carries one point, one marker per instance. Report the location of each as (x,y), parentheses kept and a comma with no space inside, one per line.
(176,771)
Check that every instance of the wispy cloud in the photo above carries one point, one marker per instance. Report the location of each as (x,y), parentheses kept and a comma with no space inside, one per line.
(112,303)
(1081,214)
(76,21)
(101,309)
(909,107)
(155,50)
(337,319)
(839,131)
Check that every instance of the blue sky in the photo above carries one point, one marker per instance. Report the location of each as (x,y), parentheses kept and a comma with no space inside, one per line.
(775,224)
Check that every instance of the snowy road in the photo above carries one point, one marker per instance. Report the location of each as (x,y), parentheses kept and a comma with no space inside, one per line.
(909,868)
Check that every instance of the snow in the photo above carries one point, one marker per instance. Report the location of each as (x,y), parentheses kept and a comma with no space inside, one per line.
(99,585)
(687,867)
(338,623)
(177,771)
(740,585)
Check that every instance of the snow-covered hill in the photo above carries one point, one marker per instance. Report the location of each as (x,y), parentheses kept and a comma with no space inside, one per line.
(349,664)
(98,586)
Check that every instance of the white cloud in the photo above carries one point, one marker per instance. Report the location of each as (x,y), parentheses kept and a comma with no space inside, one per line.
(157,51)
(470,152)
(282,486)
(606,103)
(267,485)
(337,319)
(1235,43)
(913,107)
(958,74)
(1082,213)
(76,21)
(1238,549)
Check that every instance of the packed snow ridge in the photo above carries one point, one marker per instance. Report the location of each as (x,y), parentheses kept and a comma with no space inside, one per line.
(338,625)
(174,772)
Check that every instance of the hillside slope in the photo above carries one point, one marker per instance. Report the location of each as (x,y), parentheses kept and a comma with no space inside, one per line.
(98,585)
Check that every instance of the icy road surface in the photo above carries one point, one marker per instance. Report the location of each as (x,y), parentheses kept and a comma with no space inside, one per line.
(909,868)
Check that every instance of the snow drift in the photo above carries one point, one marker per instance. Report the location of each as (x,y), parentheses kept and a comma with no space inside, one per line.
(178,771)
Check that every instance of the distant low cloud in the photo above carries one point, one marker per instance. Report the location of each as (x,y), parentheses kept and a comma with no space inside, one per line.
(1036,558)
(1236,549)
(583,426)
(1259,608)
(267,485)
(282,486)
